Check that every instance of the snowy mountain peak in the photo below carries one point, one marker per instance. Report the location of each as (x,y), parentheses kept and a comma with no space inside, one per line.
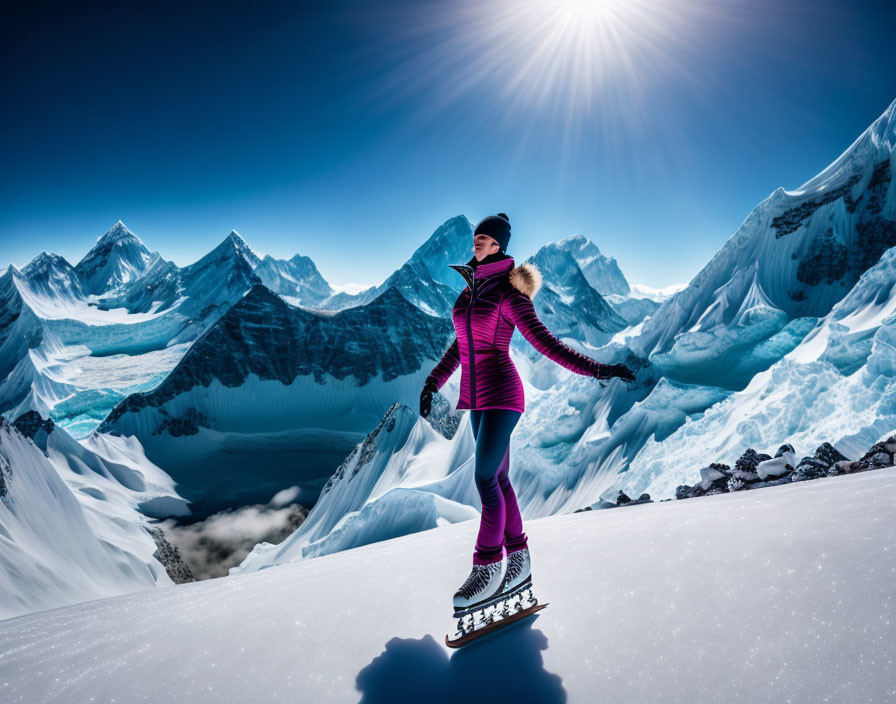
(45,261)
(117,258)
(579,241)
(118,232)
(235,244)
(602,272)
(869,151)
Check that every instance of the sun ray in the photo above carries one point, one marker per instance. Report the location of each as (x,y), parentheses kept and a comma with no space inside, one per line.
(568,70)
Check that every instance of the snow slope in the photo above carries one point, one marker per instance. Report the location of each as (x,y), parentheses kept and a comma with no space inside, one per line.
(782,594)
(68,541)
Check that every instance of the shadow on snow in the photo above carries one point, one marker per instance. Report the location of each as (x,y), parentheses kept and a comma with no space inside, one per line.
(505,666)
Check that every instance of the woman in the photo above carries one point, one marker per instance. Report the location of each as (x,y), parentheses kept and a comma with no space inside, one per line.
(497,299)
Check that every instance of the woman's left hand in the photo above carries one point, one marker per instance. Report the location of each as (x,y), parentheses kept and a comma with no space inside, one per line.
(608,371)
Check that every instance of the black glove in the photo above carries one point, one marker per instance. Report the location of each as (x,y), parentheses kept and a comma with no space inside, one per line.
(429,388)
(608,371)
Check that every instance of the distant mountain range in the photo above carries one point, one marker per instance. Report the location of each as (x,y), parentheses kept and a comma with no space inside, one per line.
(138,387)
(787,335)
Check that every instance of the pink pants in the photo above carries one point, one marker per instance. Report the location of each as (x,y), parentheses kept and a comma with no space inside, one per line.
(501,525)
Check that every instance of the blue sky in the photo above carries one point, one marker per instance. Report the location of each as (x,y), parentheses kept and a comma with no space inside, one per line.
(349,131)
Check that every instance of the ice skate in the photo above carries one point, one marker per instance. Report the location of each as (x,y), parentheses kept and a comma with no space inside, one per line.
(519,570)
(506,606)
(483,583)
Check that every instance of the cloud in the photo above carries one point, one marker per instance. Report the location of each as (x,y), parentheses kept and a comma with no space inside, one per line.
(211,547)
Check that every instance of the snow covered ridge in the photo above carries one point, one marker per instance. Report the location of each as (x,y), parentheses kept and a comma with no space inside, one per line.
(794,257)
(755,470)
(570,305)
(76,340)
(70,530)
(263,336)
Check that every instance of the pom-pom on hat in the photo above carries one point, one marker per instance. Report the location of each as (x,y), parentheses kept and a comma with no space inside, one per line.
(497,227)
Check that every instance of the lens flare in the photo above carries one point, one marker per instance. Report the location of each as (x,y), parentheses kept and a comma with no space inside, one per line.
(569,66)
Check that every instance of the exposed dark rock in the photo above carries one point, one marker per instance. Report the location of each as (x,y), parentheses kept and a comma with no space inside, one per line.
(787,447)
(828,454)
(714,478)
(740,478)
(881,459)
(168,555)
(809,468)
(5,476)
(791,220)
(32,425)
(622,499)
(887,447)
(827,461)
(749,460)
(826,261)
(875,238)
(188,424)
(684,491)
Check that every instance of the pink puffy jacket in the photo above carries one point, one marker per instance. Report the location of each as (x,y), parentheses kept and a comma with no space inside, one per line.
(497,299)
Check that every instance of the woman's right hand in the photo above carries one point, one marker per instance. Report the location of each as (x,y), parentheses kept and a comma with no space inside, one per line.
(429,388)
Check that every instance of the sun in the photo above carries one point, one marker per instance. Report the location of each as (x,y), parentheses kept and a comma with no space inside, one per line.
(564,66)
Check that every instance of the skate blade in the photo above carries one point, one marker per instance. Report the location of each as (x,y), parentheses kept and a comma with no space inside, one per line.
(492,627)
(465,610)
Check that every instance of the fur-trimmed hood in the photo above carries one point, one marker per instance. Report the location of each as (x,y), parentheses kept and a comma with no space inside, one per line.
(527,278)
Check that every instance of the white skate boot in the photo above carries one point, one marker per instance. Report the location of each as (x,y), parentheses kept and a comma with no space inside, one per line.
(519,570)
(483,583)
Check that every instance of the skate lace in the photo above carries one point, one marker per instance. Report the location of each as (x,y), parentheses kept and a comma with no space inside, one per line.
(514,565)
(515,562)
(477,580)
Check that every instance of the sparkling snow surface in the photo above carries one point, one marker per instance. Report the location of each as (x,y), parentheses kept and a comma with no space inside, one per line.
(783,594)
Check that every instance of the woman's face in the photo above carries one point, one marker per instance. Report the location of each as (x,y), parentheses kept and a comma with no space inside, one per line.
(483,245)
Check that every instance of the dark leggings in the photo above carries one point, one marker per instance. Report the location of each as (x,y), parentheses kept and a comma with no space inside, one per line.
(501,524)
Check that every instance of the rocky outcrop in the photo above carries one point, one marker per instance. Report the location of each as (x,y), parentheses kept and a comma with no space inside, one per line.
(33,426)
(753,470)
(5,474)
(365,450)
(168,555)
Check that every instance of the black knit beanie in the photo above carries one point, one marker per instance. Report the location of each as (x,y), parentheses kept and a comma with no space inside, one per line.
(497,227)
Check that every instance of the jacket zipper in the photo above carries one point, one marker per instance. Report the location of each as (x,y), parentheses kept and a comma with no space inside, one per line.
(470,344)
